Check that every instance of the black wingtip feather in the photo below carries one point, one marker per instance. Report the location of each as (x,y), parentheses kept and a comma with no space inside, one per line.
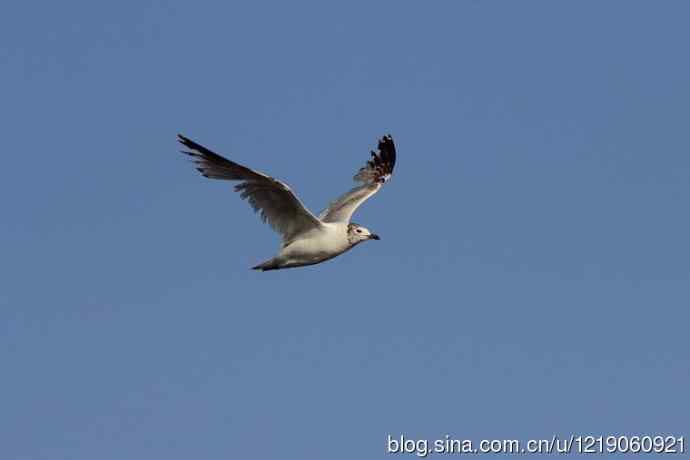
(380,167)
(198,151)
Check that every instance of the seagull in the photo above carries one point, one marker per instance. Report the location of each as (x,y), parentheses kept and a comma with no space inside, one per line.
(306,239)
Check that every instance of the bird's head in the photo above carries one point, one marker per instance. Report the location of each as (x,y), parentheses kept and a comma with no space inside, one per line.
(356,234)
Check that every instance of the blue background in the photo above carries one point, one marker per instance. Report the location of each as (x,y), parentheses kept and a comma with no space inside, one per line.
(533,276)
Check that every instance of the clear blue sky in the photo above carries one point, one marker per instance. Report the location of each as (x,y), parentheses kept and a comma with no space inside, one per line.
(533,276)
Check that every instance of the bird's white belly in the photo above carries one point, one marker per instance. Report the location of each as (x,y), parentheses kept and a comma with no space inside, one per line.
(317,245)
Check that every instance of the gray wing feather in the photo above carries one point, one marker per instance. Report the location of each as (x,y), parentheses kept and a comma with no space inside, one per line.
(373,175)
(276,202)
(341,209)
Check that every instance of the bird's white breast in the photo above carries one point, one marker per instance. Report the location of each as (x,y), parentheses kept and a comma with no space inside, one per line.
(318,244)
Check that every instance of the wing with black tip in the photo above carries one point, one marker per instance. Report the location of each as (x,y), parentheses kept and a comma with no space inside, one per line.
(377,171)
(276,202)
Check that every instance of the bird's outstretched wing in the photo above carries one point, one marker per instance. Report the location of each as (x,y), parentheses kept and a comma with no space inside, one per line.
(279,206)
(372,176)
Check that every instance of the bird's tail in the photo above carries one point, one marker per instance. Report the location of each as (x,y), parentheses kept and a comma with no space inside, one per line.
(271,264)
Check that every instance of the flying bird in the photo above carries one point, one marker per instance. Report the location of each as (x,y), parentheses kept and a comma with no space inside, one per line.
(306,238)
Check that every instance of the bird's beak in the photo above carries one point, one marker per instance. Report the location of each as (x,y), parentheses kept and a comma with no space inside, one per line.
(374,236)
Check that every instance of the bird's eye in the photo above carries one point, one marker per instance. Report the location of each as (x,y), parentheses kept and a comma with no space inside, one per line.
(359,231)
